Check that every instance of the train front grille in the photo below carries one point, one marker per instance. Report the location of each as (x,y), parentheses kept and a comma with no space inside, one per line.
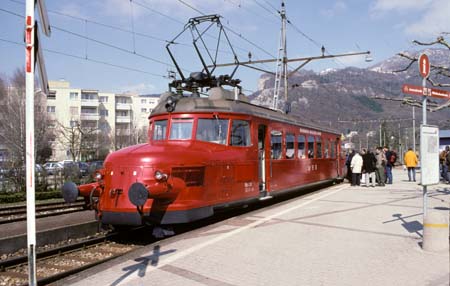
(192,176)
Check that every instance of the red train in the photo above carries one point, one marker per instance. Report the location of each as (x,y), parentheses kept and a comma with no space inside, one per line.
(209,153)
(206,153)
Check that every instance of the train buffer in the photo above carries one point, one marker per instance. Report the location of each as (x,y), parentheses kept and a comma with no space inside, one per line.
(340,235)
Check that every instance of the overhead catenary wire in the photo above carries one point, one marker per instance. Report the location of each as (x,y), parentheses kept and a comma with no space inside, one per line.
(110,45)
(90,60)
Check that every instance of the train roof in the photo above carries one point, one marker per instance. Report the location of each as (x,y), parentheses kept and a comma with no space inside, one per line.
(222,100)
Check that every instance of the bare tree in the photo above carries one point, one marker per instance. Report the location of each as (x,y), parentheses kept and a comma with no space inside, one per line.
(12,125)
(81,140)
(70,136)
(438,73)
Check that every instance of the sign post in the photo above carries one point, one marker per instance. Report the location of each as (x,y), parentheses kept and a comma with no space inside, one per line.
(424,70)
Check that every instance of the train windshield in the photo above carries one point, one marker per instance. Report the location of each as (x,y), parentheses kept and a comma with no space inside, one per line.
(159,130)
(181,129)
(212,130)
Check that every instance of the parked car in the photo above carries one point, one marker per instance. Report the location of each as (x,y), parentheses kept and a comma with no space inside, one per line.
(70,168)
(53,168)
(84,168)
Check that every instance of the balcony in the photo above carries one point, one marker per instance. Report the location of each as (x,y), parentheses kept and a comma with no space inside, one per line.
(89,116)
(123,106)
(123,119)
(89,103)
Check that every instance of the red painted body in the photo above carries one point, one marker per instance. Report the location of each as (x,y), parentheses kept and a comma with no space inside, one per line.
(203,176)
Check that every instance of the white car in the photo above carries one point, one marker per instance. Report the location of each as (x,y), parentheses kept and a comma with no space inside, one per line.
(53,168)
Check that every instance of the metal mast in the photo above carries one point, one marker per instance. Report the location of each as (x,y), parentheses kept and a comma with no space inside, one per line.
(281,68)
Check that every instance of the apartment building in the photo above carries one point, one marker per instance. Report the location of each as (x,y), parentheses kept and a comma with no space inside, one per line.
(102,121)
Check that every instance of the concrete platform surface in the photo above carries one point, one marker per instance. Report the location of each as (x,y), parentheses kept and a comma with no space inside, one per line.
(341,235)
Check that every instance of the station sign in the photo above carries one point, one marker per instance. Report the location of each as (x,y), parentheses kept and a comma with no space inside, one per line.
(424,65)
(424,91)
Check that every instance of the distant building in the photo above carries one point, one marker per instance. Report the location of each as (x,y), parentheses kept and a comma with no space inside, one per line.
(106,121)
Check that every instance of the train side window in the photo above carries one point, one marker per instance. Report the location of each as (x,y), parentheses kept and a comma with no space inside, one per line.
(326,149)
(319,147)
(333,149)
(212,130)
(275,144)
(159,130)
(310,146)
(240,133)
(290,149)
(301,147)
(181,129)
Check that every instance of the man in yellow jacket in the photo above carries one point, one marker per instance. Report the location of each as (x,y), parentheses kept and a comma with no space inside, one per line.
(411,163)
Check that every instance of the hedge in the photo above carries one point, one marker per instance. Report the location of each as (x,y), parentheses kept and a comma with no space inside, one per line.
(21,196)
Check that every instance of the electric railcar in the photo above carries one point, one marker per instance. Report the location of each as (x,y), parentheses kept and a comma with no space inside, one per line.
(206,153)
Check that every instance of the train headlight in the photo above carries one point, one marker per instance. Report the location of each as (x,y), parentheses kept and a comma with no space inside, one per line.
(98,176)
(160,176)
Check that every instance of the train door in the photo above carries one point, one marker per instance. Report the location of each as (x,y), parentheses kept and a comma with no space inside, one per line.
(262,130)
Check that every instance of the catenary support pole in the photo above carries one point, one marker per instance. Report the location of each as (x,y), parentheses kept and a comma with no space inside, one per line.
(30,31)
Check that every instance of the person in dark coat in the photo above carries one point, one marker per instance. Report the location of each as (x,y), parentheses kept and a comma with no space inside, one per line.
(381,163)
(369,167)
(347,163)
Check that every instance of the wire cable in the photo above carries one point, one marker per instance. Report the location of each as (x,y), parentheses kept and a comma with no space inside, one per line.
(89,59)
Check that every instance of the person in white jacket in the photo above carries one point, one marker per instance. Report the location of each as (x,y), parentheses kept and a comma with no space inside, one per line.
(356,165)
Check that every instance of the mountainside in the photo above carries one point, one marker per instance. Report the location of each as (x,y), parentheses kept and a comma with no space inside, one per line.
(347,94)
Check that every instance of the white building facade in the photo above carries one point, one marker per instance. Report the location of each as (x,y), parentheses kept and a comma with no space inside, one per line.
(101,121)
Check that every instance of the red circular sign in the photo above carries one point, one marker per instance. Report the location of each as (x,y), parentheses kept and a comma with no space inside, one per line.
(424,65)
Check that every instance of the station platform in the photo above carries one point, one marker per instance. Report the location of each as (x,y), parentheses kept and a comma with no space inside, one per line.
(341,235)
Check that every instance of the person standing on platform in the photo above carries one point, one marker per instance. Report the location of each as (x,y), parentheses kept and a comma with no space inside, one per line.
(411,163)
(443,162)
(380,165)
(391,157)
(369,167)
(347,163)
(356,166)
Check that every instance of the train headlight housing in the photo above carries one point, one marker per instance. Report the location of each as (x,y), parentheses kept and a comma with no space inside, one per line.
(98,176)
(160,176)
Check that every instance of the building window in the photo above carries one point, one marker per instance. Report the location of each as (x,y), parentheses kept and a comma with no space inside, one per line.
(144,110)
(88,96)
(3,155)
(144,101)
(51,94)
(122,113)
(51,109)
(122,100)
(74,110)
(73,95)
(88,110)
(73,123)
(104,112)
(103,99)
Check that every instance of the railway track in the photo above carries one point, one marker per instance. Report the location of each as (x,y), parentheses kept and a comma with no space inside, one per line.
(57,263)
(19,213)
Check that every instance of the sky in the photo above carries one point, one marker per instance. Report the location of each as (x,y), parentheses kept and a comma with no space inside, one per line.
(120,45)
